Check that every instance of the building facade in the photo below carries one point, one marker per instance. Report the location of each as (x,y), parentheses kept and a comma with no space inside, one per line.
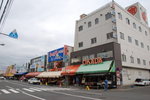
(127,27)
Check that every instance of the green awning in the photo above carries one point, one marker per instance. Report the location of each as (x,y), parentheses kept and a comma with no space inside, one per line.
(96,68)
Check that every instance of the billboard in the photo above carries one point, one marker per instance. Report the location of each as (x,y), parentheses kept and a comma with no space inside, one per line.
(56,55)
(38,63)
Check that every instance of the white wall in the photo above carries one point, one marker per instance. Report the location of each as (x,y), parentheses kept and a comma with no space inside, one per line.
(99,30)
(129,75)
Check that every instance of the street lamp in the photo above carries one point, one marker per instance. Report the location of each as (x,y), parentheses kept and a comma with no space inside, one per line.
(2,44)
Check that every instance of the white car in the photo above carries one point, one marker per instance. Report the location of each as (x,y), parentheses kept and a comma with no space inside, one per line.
(2,78)
(34,81)
(142,82)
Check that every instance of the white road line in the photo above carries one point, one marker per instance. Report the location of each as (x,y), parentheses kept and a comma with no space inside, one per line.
(5,91)
(9,87)
(76,95)
(12,90)
(35,89)
(28,90)
(87,92)
(31,95)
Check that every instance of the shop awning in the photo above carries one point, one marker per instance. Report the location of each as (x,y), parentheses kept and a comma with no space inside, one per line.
(32,74)
(95,68)
(70,70)
(21,73)
(51,74)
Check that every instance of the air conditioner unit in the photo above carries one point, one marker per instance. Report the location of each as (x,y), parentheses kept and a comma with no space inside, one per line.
(113,12)
(114,20)
(114,28)
(114,35)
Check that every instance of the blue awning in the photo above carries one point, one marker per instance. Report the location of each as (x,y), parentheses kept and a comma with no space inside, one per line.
(21,73)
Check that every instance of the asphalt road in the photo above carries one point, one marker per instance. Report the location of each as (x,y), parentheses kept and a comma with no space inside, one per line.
(15,90)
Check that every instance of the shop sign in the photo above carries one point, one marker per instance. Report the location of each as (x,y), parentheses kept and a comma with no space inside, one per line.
(92,61)
(56,55)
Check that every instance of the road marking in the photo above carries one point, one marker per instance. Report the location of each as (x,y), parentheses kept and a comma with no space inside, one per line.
(5,91)
(28,90)
(9,87)
(35,89)
(12,90)
(31,95)
(76,95)
(87,92)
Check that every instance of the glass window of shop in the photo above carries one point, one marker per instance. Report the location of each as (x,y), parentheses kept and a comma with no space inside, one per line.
(76,60)
(107,54)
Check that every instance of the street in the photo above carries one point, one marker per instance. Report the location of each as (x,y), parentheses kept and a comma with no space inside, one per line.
(16,90)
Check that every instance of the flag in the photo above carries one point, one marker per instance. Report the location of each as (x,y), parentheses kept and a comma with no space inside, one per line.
(13,34)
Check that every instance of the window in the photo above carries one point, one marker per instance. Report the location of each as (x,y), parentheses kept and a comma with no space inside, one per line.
(132,59)
(120,16)
(122,35)
(134,25)
(107,54)
(85,58)
(144,62)
(96,21)
(128,21)
(148,47)
(140,29)
(142,45)
(146,33)
(110,35)
(93,40)
(137,42)
(123,57)
(91,56)
(80,28)
(138,61)
(80,44)
(89,24)
(129,39)
(108,15)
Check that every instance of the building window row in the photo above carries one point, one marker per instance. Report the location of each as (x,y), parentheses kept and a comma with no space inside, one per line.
(132,59)
(136,41)
(134,24)
(107,16)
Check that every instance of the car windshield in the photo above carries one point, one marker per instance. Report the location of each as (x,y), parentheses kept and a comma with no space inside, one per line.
(138,80)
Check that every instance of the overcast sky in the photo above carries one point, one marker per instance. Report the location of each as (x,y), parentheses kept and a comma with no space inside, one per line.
(45,25)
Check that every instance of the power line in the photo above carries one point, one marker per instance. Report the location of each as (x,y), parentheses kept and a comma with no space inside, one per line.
(1,4)
(6,14)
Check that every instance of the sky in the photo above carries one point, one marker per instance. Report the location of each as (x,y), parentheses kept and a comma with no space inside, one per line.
(45,25)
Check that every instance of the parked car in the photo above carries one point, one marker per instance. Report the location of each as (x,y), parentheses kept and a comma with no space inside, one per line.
(2,78)
(142,82)
(34,81)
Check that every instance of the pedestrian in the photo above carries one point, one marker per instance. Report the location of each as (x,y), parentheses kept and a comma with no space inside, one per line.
(105,84)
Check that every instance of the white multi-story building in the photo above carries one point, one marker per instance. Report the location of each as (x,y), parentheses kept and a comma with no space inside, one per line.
(127,27)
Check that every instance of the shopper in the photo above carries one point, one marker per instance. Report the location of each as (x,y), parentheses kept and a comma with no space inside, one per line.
(105,84)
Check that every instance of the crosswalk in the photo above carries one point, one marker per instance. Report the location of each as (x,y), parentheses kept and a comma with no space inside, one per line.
(33,89)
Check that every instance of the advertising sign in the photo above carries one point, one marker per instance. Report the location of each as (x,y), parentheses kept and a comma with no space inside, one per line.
(56,55)
(38,63)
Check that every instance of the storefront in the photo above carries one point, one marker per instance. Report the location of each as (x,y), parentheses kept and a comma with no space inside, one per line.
(32,74)
(20,76)
(51,77)
(70,74)
(91,72)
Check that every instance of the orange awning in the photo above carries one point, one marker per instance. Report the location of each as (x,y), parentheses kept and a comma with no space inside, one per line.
(32,74)
(70,70)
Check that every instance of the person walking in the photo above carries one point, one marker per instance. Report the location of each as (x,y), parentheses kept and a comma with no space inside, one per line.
(105,84)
